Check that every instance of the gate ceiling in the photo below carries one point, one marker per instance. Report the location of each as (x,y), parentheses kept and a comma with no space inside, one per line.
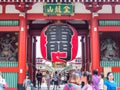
(77,24)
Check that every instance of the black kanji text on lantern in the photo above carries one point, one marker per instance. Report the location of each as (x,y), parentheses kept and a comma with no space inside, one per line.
(59,38)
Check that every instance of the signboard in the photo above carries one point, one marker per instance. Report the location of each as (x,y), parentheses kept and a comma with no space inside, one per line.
(59,64)
(59,43)
(58,9)
(39,60)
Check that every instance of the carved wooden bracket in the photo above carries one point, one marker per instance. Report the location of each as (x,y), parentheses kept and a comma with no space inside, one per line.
(93,7)
(23,7)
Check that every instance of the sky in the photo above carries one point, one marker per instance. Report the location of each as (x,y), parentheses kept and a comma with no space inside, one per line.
(38,52)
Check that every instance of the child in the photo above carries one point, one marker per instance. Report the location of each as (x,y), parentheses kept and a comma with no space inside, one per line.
(27,83)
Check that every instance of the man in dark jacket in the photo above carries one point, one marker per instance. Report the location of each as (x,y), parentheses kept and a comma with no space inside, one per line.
(39,78)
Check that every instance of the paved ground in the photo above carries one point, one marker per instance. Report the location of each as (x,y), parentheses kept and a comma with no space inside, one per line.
(44,87)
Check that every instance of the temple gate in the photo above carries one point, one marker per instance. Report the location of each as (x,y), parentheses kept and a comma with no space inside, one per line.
(96,21)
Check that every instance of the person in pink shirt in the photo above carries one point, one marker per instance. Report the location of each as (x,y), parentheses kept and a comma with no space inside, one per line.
(73,82)
(95,79)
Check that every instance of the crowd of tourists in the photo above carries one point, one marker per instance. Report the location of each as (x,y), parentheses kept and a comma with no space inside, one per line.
(91,81)
(76,80)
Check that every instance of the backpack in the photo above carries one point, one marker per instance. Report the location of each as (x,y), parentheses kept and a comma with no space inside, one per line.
(71,85)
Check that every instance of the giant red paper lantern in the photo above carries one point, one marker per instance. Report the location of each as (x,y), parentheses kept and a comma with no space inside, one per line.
(59,43)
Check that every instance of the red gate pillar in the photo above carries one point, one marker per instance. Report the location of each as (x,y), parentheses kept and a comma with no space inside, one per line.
(22,51)
(95,54)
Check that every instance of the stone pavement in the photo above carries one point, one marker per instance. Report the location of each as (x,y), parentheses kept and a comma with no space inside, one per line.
(44,87)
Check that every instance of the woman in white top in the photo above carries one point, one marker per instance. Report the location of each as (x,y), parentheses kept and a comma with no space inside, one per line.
(55,78)
(101,83)
(48,78)
(27,83)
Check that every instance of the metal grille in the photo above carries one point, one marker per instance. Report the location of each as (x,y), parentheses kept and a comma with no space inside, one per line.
(11,79)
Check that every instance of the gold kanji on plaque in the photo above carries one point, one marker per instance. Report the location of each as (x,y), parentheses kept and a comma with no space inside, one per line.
(58,9)
(66,9)
(50,9)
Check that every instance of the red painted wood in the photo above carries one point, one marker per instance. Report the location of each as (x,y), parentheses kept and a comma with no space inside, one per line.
(109,28)
(3,8)
(11,89)
(109,16)
(22,50)
(22,7)
(118,88)
(95,54)
(9,29)
(83,1)
(9,16)
(115,69)
(101,69)
(42,17)
(95,7)
(8,69)
(75,17)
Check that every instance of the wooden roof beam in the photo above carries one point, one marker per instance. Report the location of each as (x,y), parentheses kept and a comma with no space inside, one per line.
(75,17)
(63,1)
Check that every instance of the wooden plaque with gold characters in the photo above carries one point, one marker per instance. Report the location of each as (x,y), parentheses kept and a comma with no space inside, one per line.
(59,64)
